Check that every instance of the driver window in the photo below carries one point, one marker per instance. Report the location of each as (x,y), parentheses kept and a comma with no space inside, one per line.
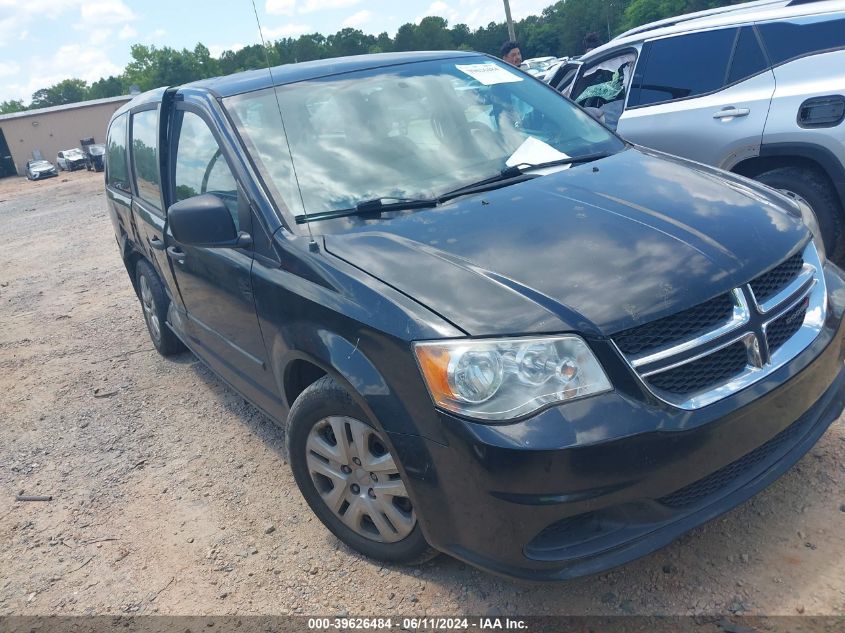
(201,167)
(604,87)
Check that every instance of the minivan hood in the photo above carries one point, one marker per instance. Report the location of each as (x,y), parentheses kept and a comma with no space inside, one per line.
(597,248)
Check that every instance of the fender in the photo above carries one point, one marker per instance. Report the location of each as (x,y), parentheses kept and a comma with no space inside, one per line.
(349,364)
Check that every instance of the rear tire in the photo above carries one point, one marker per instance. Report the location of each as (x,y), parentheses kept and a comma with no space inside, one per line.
(374,521)
(154,303)
(814,188)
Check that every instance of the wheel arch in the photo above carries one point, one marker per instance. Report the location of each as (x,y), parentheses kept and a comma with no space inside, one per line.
(776,155)
(329,353)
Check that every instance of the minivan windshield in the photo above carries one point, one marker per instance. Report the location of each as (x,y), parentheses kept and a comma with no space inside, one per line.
(410,131)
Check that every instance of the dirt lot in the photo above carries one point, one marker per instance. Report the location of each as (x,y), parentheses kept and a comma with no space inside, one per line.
(170,494)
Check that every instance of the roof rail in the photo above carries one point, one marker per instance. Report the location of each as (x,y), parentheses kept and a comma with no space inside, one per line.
(679,19)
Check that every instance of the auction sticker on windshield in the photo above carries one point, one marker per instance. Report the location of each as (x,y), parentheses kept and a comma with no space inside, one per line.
(489,74)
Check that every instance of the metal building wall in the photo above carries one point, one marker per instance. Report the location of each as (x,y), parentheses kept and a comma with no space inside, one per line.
(51,130)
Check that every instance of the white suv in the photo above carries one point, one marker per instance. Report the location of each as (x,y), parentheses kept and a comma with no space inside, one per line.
(757,89)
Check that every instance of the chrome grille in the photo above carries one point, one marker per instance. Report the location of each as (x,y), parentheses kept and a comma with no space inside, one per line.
(678,326)
(769,284)
(783,328)
(771,319)
(704,372)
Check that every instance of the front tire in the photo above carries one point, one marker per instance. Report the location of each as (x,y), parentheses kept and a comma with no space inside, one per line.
(814,188)
(349,477)
(154,302)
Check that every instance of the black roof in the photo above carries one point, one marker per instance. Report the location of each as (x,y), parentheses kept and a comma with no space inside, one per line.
(291,73)
(251,80)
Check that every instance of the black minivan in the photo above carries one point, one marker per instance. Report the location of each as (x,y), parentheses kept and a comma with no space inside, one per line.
(490,326)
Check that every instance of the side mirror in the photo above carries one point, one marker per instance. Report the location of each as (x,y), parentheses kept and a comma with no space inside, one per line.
(205,221)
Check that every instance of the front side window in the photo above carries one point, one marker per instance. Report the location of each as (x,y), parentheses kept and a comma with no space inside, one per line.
(144,160)
(410,131)
(802,36)
(604,86)
(682,66)
(116,166)
(201,167)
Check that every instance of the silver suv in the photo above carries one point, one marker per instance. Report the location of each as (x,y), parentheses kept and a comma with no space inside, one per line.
(757,89)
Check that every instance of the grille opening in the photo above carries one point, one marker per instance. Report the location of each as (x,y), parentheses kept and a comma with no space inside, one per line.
(785,327)
(725,476)
(769,284)
(704,373)
(672,329)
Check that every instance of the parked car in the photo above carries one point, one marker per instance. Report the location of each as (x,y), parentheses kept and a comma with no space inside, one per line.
(489,326)
(71,159)
(757,89)
(94,156)
(40,169)
(537,65)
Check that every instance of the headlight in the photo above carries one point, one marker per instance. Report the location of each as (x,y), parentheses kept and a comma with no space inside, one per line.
(810,220)
(501,379)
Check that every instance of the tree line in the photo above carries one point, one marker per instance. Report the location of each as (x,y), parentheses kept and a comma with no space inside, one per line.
(559,30)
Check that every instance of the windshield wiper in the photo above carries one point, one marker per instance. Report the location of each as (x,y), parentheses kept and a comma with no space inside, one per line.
(516,174)
(508,176)
(374,205)
(569,160)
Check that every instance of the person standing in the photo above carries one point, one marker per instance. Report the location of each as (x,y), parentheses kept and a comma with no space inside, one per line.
(510,53)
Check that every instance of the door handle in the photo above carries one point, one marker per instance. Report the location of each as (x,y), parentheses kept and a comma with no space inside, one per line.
(155,243)
(176,254)
(729,113)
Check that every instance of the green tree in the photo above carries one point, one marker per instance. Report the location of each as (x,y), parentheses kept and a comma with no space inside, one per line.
(8,107)
(66,91)
(102,88)
(432,34)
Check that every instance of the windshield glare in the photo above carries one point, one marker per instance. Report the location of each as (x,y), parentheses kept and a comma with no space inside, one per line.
(411,131)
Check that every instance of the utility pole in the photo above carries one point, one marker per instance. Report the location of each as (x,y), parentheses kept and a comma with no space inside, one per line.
(511,34)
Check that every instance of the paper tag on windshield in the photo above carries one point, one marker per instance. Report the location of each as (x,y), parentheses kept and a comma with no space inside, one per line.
(533,151)
(488,73)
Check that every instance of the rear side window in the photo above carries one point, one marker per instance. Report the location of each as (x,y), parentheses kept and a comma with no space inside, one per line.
(682,66)
(144,163)
(803,36)
(201,167)
(116,167)
(748,59)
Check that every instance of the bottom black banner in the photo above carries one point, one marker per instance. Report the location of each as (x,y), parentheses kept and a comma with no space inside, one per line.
(517,624)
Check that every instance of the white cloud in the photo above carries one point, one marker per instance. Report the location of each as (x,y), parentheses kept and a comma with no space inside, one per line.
(287,30)
(280,7)
(156,36)
(7,69)
(106,12)
(324,5)
(357,20)
(476,13)
(99,36)
(217,49)
(78,61)
(127,32)
(443,10)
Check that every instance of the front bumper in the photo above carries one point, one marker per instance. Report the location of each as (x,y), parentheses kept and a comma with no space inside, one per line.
(596,483)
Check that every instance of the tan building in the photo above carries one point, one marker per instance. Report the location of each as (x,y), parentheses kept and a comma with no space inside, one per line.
(51,130)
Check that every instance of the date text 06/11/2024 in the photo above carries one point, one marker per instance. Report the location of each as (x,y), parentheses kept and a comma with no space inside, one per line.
(416,624)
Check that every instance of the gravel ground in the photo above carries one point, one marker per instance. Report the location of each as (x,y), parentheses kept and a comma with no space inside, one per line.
(170,494)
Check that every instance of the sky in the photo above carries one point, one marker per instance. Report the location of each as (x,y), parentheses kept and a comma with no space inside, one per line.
(45,41)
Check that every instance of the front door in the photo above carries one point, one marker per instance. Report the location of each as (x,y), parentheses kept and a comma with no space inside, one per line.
(215,283)
(703,96)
